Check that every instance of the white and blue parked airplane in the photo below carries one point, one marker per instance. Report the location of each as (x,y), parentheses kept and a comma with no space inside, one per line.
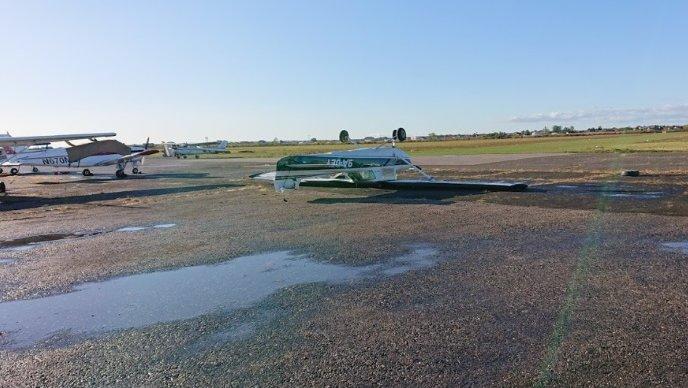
(185,150)
(36,152)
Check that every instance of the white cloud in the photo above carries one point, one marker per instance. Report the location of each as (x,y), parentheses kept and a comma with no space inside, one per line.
(666,112)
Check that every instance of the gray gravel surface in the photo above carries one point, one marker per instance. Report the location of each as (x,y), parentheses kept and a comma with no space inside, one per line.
(555,285)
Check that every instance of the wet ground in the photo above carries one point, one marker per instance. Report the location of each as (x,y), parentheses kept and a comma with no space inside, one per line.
(192,274)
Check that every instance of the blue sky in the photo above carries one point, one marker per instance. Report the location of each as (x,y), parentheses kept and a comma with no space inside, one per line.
(297,69)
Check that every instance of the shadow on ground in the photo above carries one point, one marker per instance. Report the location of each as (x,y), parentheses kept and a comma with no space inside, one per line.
(28,202)
(404,197)
(101,178)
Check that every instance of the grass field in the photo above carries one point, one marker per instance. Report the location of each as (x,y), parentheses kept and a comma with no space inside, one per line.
(675,141)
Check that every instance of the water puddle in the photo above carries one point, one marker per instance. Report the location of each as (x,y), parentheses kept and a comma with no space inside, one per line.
(616,192)
(140,228)
(31,242)
(164,226)
(28,243)
(418,259)
(131,229)
(680,246)
(20,248)
(645,195)
(233,333)
(22,242)
(145,299)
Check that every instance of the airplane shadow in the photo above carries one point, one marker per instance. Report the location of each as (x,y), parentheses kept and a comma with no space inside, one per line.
(109,178)
(174,175)
(12,202)
(404,197)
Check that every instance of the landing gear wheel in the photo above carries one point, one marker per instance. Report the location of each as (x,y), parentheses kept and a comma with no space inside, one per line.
(14,171)
(2,187)
(120,174)
(87,172)
(34,170)
(135,171)
(197,156)
(184,156)
(0,170)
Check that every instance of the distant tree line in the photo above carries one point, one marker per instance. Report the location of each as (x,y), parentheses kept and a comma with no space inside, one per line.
(555,130)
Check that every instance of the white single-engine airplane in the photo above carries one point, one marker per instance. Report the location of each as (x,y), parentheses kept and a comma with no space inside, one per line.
(365,167)
(7,142)
(36,152)
(185,150)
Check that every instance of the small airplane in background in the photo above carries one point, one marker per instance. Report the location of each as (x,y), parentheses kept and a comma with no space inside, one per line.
(9,143)
(92,154)
(365,167)
(196,149)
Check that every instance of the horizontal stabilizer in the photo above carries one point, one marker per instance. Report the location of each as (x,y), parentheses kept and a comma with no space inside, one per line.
(138,155)
(264,176)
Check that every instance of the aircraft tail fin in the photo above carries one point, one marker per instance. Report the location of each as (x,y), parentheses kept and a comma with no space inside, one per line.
(222,145)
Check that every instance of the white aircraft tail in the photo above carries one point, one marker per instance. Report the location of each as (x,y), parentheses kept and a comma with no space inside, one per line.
(222,145)
(168,149)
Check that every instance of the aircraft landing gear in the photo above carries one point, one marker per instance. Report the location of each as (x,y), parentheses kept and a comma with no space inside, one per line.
(34,170)
(184,156)
(135,171)
(87,172)
(0,170)
(2,187)
(197,156)
(14,171)
(120,173)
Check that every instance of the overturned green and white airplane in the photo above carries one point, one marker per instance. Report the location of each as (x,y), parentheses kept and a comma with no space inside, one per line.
(366,167)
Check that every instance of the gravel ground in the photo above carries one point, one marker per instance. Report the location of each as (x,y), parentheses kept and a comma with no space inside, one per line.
(565,284)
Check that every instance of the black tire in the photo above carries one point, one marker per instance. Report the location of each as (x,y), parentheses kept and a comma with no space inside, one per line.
(87,172)
(184,156)
(197,156)
(2,187)
(120,174)
(14,171)
(135,171)
(34,169)
(344,136)
(0,170)
(400,134)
